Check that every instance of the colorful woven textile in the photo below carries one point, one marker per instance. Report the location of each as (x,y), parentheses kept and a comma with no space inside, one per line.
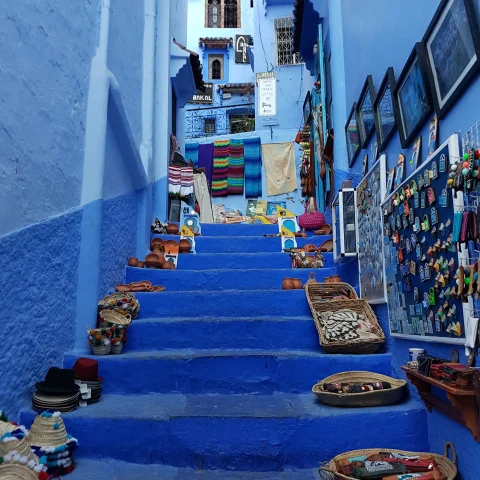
(191,152)
(253,167)
(205,160)
(236,168)
(174,179)
(220,168)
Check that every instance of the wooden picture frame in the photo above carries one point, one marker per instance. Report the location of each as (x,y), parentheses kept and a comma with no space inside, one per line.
(384,109)
(365,112)
(352,136)
(307,108)
(412,96)
(452,44)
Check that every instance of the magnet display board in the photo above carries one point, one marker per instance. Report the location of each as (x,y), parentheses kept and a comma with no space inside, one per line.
(370,195)
(418,308)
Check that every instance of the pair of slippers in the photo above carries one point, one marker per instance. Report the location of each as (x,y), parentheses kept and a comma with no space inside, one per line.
(325,230)
(144,286)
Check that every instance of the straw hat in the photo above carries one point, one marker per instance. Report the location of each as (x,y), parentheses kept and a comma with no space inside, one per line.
(12,438)
(48,432)
(15,471)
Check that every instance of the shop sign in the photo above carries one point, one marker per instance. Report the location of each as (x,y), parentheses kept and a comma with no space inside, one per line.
(267,94)
(201,97)
(242,43)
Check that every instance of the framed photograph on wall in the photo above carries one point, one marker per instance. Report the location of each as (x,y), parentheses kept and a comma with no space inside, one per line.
(366,118)
(307,109)
(412,96)
(352,136)
(384,110)
(452,42)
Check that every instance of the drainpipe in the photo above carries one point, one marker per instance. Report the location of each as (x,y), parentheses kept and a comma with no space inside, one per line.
(161,150)
(144,196)
(92,185)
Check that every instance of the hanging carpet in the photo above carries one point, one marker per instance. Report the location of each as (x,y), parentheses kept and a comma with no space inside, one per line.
(191,153)
(279,163)
(253,167)
(220,168)
(205,161)
(236,168)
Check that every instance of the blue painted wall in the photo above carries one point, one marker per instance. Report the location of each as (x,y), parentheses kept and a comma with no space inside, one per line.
(361,45)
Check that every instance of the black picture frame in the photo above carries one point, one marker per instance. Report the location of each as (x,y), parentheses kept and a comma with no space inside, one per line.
(384,108)
(307,108)
(365,112)
(412,96)
(453,53)
(351,131)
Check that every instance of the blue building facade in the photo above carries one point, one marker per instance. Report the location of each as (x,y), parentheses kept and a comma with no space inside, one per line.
(85,142)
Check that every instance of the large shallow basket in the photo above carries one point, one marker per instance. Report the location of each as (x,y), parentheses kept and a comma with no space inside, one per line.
(113,318)
(365,399)
(356,346)
(446,466)
(16,471)
(323,291)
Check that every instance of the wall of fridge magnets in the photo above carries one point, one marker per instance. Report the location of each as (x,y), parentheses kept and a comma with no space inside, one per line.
(420,258)
(370,195)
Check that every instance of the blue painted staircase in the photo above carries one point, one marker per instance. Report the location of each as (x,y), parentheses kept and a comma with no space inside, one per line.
(215,381)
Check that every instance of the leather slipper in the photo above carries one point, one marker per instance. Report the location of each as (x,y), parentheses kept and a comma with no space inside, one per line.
(325,230)
(327,246)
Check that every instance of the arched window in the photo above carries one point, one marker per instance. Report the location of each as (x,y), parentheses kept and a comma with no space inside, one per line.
(230,14)
(216,70)
(214,14)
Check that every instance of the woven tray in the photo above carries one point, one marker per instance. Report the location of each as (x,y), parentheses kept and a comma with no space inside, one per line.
(446,466)
(365,399)
(357,346)
(322,292)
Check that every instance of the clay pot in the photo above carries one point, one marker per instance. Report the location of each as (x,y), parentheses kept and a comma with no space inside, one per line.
(184,246)
(152,261)
(172,228)
(133,261)
(168,266)
(310,247)
(287,284)
(297,283)
(140,264)
(332,279)
(157,245)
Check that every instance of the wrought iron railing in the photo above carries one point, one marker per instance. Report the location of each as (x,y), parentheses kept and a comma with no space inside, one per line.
(224,120)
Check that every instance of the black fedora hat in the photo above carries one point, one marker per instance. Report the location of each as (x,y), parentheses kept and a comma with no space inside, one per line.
(58,380)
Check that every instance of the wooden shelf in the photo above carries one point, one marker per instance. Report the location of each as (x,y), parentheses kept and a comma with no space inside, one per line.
(463,407)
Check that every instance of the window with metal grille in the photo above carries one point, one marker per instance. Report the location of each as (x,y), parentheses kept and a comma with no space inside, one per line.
(241,123)
(215,67)
(230,9)
(284,42)
(214,14)
(209,126)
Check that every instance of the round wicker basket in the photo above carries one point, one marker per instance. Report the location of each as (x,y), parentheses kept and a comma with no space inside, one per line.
(15,471)
(365,399)
(446,466)
(101,349)
(111,317)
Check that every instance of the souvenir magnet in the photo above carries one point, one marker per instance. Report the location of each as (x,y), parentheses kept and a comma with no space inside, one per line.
(416,200)
(416,225)
(414,187)
(431,296)
(402,241)
(433,216)
(413,267)
(400,255)
(421,181)
(396,237)
(423,202)
(426,272)
(402,195)
(399,221)
(431,196)
(405,222)
(434,170)
(437,323)
(406,208)
(408,245)
(442,163)
(408,192)
(426,223)
(416,295)
(425,301)
(414,240)
(411,215)
(422,275)
(407,287)
(426,177)
(443,201)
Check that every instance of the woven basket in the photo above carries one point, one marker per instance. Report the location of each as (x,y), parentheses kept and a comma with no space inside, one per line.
(16,471)
(365,399)
(321,292)
(117,348)
(124,303)
(446,466)
(357,346)
(113,318)
(101,349)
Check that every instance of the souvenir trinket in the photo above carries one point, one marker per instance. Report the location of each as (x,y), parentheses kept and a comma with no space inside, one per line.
(411,215)
(414,240)
(443,201)
(426,178)
(416,200)
(442,163)
(433,217)
(422,274)
(421,181)
(418,251)
(426,223)
(426,271)
(431,196)
(423,202)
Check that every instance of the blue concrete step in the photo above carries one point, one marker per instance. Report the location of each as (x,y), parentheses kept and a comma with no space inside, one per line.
(296,333)
(229,303)
(244,244)
(244,432)
(224,279)
(225,371)
(214,261)
(117,470)
(237,230)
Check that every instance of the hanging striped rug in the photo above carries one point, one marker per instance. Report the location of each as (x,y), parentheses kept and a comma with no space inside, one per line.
(220,168)
(236,168)
(253,167)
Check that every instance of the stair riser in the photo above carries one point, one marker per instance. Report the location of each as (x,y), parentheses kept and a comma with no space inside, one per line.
(243,244)
(218,280)
(262,444)
(243,261)
(263,374)
(258,334)
(229,304)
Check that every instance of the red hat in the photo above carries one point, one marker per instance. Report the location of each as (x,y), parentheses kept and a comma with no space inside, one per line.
(86,369)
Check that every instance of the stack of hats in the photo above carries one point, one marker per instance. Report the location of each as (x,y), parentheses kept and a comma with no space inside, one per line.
(52,444)
(58,391)
(17,460)
(86,375)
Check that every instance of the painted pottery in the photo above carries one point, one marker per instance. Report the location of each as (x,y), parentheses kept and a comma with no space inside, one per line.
(152,260)
(297,283)
(157,245)
(172,228)
(171,243)
(160,256)
(287,284)
(133,261)
(184,246)
(140,264)
(168,266)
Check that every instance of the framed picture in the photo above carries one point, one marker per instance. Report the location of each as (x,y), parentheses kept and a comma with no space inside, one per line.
(307,109)
(432,135)
(383,107)
(390,178)
(452,42)
(400,170)
(366,118)
(352,136)
(412,96)
(417,152)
